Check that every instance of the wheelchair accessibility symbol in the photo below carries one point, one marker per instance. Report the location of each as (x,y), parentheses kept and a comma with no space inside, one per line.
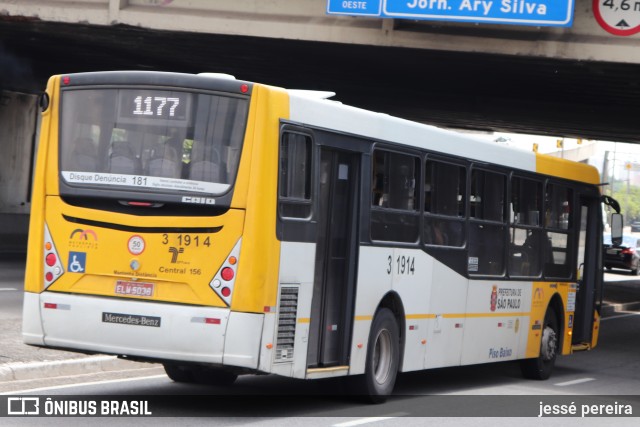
(77,262)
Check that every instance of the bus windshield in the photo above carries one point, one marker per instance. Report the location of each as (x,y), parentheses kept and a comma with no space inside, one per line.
(151,140)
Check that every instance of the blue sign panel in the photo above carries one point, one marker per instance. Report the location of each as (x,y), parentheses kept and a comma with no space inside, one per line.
(345,7)
(558,13)
(77,262)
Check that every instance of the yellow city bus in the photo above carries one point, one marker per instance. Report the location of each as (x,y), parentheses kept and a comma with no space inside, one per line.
(223,227)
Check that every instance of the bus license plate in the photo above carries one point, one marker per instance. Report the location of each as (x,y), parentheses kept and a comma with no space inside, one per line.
(137,289)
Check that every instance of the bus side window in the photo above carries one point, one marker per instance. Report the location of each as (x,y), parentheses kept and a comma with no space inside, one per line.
(378,198)
(394,180)
(526,252)
(295,176)
(487,223)
(444,205)
(394,207)
(558,207)
(488,192)
(526,201)
(526,239)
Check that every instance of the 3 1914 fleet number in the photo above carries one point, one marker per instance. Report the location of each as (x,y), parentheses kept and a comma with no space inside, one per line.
(402,265)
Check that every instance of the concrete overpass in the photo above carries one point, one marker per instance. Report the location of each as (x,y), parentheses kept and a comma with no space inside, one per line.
(580,81)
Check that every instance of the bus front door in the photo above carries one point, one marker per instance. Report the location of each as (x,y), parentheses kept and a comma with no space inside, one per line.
(336,250)
(589,287)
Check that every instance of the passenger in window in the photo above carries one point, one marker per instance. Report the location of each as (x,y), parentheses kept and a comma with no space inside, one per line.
(164,162)
(427,197)
(378,189)
(84,155)
(455,233)
(377,183)
(435,234)
(530,254)
(408,185)
(444,233)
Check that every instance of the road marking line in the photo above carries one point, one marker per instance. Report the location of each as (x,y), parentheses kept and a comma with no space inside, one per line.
(8,289)
(362,421)
(60,387)
(580,381)
(619,316)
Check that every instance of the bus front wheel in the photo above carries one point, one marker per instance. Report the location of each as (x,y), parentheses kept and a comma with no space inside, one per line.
(540,367)
(383,355)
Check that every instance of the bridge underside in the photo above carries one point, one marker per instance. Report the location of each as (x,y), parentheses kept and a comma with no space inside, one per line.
(593,100)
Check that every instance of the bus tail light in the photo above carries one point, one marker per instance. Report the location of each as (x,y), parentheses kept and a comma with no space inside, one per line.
(224,280)
(52,265)
(227,274)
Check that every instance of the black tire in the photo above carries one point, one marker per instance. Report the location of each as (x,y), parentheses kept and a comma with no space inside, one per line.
(540,368)
(199,374)
(383,357)
(216,376)
(179,373)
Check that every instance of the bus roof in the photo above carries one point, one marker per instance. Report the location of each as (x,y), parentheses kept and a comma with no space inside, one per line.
(328,114)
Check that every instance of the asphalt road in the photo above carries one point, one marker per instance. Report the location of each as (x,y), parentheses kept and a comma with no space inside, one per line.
(11,285)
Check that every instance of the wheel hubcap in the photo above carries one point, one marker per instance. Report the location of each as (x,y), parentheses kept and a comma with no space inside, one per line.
(549,343)
(382,356)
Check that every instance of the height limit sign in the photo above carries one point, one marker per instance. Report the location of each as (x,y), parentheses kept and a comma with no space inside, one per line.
(618,17)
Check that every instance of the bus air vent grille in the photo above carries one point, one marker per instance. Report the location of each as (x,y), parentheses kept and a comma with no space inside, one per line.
(287,312)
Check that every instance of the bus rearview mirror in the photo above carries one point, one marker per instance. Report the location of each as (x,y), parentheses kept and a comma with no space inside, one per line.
(616,229)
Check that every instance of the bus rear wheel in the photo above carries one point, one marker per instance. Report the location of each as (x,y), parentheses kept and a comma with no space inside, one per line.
(216,376)
(200,374)
(540,368)
(383,356)
(179,373)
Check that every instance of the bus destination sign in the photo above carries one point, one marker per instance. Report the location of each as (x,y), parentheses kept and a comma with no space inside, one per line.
(148,106)
(556,13)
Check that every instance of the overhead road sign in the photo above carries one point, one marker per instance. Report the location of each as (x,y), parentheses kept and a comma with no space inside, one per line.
(618,17)
(556,13)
